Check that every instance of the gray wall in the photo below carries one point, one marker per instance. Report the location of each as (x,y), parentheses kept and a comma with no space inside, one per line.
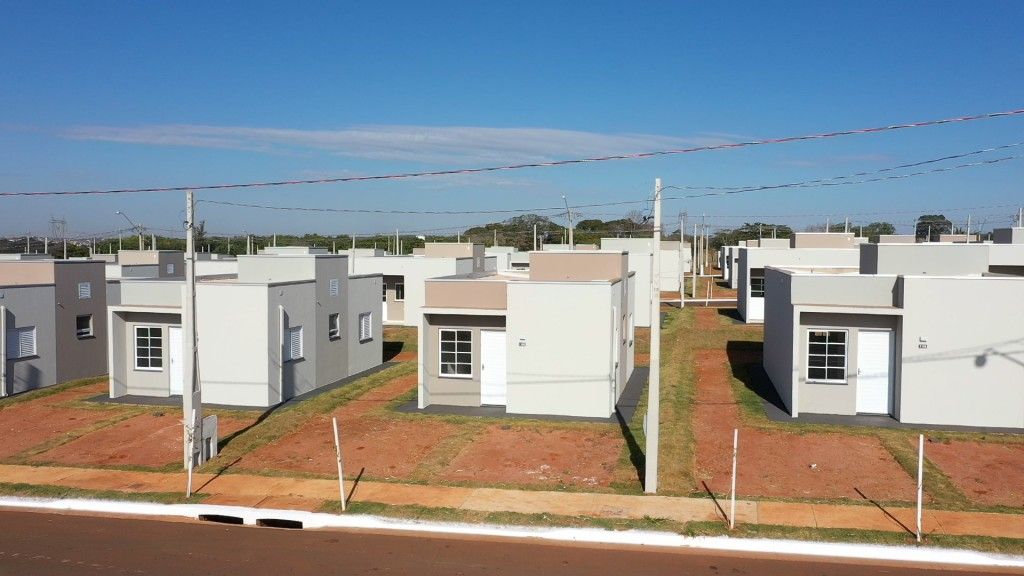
(125,378)
(778,358)
(31,306)
(80,357)
(822,398)
(364,296)
(925,258)
(445,390)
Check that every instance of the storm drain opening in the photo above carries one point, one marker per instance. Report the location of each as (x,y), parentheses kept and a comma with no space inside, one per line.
(279,523)
(221,519)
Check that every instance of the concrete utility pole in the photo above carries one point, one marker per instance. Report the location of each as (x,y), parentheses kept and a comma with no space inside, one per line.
(654,383)
(535,237)
(846,228)
(191,398)
(568,215)
(967,237)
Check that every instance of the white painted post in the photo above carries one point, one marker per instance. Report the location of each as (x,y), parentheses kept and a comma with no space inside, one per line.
(920,481)
(341,476)
(735,450)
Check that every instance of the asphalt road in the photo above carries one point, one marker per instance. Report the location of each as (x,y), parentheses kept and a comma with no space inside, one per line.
(55,544)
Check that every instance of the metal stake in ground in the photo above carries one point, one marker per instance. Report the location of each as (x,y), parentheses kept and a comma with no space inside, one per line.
(732,497)
(920,481)
(337,452)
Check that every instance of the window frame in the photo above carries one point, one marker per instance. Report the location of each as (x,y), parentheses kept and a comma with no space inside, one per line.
(846,356)
(384,291)
(334,326)
(369,330)
(135,347)
(754,291)
(440,351)
(397,286)
(78,331)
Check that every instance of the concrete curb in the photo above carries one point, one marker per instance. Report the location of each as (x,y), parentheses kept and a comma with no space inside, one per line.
(583,535)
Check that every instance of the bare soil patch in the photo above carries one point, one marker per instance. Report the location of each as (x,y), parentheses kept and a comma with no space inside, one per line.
(987,473)
(384,448)
(29,424)
(147,440)
(782,464)
(707,319)
(505,454)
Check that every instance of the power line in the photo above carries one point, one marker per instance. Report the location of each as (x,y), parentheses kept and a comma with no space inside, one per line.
(630,156)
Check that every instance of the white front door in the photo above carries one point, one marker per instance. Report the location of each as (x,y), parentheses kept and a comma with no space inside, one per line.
(493,376)
(874,378)
(176,370)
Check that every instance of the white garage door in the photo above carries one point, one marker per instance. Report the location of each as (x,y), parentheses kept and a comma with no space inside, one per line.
(874,376)
(493,383)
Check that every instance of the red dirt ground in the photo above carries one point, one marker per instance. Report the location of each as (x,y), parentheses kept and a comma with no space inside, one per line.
(406,356)
(543,457)
(377,397)
(779,464)
(144,440)
(385,448)
(707,319)
(29,424)
(986,473)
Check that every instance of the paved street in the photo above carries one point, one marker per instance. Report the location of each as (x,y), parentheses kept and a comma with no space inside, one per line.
(55,544)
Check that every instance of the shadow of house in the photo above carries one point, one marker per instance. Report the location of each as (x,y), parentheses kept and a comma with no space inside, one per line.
(392,349)
(745,359)
(732,314)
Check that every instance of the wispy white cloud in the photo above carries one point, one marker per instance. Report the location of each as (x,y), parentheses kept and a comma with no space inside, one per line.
(431,144)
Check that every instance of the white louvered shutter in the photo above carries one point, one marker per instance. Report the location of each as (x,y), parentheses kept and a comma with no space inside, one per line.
(84,290)
(21,342)
(366,326)
(334,286)
(294,343)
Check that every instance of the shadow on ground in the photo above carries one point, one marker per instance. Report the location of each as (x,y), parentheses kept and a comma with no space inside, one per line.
(732,314)
(392,349)
(745,362)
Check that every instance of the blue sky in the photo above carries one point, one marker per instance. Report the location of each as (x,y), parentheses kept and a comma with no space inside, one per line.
(113,94)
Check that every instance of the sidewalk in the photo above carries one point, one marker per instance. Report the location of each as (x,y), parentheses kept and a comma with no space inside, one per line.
(309,494)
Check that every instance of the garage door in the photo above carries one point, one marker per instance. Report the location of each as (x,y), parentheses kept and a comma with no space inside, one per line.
(493,383)
(874,375)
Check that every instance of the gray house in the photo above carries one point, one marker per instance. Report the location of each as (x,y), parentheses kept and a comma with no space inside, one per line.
(926,333)
(291,321)
(558,340)
(53,324)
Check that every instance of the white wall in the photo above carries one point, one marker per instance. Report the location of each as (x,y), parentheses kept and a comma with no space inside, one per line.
(564,363)
(963,351)
(234,344)
(415,269)
(752,309)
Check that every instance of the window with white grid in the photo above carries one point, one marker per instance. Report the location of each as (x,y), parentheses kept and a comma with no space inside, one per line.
(826,355)
(149,348)
(456,353)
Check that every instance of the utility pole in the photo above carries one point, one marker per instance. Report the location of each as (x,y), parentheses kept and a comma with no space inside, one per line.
(495,243)
(967,237)
(534,236)
(846,227)
(191,398)
(568,215)
(654,383)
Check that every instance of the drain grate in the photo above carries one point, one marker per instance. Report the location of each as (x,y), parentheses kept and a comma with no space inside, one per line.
(279,523)
(221,519)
